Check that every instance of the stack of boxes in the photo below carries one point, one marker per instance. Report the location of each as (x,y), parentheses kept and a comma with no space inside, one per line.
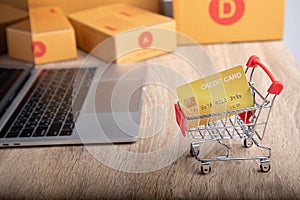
(126,33)
(46,37)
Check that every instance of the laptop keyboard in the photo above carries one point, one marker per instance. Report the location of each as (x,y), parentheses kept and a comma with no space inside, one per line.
(52,105)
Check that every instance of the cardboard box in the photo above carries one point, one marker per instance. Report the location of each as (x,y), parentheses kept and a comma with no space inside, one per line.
(50,36)
(70,6)
(120,26)
(21,4)
(214,21)
(19,41)
(8,16)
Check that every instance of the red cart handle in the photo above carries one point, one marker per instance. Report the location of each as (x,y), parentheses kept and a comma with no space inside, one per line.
(180,119)
(276,86)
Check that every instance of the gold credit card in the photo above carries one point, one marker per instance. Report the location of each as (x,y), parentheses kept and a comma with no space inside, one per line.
(224,91)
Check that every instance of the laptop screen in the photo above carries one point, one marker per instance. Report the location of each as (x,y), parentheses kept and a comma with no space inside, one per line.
(7,79)
(11,80)
(12,74)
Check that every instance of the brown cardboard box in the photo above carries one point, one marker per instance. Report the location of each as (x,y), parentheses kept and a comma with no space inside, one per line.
(214,21)
(19,41)
(122,23)
(50,36)
(8,16)
(21,4)
(69,6)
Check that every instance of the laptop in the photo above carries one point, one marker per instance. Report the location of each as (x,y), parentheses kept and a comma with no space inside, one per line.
(90,104)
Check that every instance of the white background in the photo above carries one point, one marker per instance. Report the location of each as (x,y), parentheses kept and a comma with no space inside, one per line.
(292,28)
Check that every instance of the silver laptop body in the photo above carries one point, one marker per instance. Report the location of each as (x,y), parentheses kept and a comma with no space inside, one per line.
(110,111)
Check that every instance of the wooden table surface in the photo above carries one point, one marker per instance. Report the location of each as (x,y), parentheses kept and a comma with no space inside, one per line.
(159,165)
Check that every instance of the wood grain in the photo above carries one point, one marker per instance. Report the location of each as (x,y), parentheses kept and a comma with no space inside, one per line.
(110,171)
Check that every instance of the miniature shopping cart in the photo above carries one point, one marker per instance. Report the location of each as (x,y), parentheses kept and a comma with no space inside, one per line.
(247,124)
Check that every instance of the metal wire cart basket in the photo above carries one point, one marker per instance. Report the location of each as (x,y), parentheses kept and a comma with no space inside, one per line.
(247,124)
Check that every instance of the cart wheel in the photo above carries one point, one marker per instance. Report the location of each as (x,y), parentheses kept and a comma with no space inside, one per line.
(194,152)
(265,167)
(205,169)
(248,142)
